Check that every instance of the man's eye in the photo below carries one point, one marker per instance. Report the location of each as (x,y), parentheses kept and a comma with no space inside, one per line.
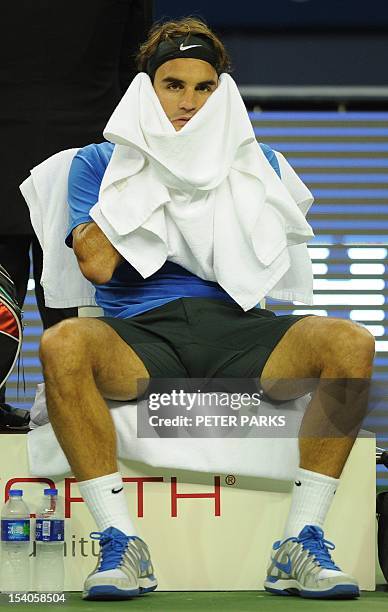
(204,88)
(174,86)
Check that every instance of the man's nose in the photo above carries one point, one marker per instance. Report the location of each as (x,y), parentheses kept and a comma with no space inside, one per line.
(187,101)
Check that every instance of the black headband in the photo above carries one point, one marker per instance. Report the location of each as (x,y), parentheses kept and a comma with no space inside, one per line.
(197,47)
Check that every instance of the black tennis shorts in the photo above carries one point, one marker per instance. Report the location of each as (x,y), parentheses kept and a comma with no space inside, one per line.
(203,338)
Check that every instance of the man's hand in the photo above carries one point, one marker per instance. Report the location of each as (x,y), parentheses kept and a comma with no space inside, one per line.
(97,257)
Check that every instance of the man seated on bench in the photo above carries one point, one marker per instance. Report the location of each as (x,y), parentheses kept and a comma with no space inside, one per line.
(180,322)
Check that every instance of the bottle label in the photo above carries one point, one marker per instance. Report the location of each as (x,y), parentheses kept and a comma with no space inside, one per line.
(15,530)
(50,530)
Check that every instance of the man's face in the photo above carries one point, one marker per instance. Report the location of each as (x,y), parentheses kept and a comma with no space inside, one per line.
(183,86)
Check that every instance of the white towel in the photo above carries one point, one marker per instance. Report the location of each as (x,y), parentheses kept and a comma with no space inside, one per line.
(265,457)
(213,204)
(45,192)
(205,198)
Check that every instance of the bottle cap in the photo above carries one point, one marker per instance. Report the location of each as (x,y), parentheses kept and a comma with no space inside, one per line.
(51,491)
(16,493)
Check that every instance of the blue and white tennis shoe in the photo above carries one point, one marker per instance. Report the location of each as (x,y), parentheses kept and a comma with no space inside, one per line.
(303,566)
(124,567)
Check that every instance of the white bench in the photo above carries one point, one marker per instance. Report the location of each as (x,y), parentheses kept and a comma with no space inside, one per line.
(218,542)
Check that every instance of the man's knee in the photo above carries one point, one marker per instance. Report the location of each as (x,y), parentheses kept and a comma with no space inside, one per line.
(350,349)
(64,345)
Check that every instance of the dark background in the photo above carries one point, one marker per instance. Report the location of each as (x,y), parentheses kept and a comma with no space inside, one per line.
(297,42)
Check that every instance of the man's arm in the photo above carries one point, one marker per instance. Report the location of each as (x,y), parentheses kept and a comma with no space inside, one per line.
(97,257)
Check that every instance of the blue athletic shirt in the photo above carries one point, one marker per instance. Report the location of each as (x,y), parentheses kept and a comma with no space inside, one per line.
(128,293)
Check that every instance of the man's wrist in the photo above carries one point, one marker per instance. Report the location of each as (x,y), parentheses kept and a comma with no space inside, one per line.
(96,255)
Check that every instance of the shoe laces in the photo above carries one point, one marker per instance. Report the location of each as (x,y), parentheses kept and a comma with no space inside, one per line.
(311,538)
(113,548)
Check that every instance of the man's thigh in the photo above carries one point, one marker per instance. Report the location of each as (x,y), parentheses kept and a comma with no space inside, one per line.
(314,346)
(85,343)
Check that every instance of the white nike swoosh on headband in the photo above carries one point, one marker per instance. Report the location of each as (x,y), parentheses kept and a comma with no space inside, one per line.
(182,48)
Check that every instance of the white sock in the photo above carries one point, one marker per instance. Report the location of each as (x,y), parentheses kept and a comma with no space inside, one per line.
(311,500)
(108,509)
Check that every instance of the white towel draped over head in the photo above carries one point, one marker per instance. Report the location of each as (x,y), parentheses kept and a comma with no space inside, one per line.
(204,197)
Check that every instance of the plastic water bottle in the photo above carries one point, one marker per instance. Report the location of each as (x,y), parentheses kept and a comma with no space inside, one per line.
(15,544)
(49,538)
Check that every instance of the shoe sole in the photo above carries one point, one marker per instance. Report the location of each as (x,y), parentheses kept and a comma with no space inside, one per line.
(108,593)
(148,584)
(339,591)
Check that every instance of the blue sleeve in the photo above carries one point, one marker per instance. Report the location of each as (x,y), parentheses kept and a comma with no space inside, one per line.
(271,157)
(85,176)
